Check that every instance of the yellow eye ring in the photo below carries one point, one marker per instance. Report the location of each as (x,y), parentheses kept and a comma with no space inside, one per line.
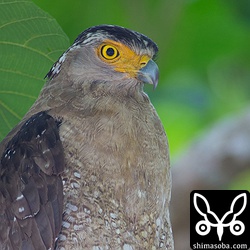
(109,52)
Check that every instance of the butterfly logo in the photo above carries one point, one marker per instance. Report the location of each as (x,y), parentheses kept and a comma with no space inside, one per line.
(203,227)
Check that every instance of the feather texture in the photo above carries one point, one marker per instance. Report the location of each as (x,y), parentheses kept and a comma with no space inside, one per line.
(31,187)
(88,166)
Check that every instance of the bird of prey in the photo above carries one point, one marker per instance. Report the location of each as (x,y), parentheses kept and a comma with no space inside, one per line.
(88,165)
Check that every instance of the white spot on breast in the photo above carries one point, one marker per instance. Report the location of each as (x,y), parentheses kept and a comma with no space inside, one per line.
(144,234)
(158,222)
(96,194)
(77,175)
(71,207)
(127,247)
(75,185)
(87,211)
(75,240)
(71,218)
(78,227)
(62,237)
(65,224)
(97,248)
(141,194)
(88,220)
(106,223)
(113,224)
(113,216)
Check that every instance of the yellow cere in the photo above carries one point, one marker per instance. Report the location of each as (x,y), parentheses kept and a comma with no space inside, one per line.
(121,57)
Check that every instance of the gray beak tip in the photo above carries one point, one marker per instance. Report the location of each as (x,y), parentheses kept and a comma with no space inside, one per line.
(149,74)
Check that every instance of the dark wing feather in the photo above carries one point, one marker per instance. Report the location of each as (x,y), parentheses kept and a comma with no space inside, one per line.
(31,191)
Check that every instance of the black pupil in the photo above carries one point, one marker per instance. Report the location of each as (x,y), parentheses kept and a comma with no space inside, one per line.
(110,52)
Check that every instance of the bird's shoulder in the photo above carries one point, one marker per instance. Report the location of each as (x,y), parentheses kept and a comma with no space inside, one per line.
(31,196)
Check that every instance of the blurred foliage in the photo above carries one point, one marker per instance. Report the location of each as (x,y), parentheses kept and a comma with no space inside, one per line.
(204,56)
(241,182)
(30,41)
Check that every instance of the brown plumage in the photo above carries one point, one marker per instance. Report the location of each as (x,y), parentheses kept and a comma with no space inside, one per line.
(88,166)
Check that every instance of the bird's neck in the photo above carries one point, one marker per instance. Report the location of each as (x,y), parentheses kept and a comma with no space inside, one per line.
(87,95)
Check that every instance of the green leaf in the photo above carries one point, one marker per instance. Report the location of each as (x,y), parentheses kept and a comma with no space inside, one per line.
(30,42)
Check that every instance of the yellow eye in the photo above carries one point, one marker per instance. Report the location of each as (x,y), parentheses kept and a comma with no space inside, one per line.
(109,52)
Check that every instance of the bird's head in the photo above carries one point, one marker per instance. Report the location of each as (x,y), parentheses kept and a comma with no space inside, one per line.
(108,53)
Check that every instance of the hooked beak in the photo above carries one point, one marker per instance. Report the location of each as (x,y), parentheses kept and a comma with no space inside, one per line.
(149,73)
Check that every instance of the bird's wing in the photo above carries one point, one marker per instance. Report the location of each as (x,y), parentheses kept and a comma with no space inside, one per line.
(31,191)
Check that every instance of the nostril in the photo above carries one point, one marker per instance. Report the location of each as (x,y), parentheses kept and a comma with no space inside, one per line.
(143,64)
(144,61)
